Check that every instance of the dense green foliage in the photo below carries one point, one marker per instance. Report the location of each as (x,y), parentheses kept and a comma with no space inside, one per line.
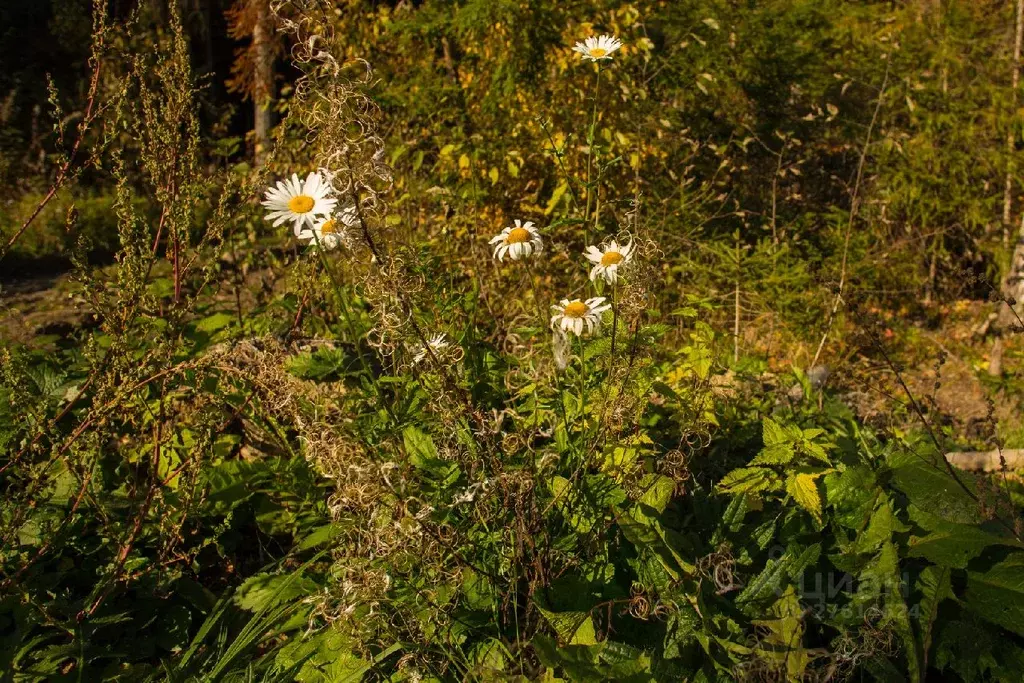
(244,459)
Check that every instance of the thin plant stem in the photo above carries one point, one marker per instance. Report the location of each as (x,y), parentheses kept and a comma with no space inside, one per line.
(536,295)
(350,323)
(615,315)
(590,155)
(583,385)
(561,165)
(854,206)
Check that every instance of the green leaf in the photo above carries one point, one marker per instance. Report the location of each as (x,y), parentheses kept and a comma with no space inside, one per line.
(934,586)
(320,536)
(264,591)
(658,490)
(933,489)
(851,494)
(680,630)
(949,544)
(746,480)
(783,642)
(776,454)
(217,321)
(998,594)
(772,433)
(319,364)
(573,628)
(650,536)
(777,572)
(419,447)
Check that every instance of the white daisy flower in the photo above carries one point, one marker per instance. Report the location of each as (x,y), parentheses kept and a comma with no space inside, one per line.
(573,316)
(437,344)
(329,232)
(609,258)
(299,201)
(518,241)
(595,48)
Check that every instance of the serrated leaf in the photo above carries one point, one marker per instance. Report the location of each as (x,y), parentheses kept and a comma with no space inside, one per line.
(648,535)
(804,489)
(816,451)
(776,454)
(777,572)
(772,433)
(746,480)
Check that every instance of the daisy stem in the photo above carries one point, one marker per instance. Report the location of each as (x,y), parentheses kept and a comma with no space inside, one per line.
(590,154)
(615,315)
(536,297)
(583,387)
(347,315)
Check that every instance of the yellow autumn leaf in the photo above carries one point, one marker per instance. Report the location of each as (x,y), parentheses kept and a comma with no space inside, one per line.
(556,197)
(464,161)
(493,175)
(805,492)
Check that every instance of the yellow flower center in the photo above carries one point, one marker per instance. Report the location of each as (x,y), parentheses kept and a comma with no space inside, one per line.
(300,203)
(328,227)
(517,235)
(610,258)
(598,52)
(577,309)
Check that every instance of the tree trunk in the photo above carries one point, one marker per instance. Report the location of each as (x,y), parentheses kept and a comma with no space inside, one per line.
(1010,308)
(263,95)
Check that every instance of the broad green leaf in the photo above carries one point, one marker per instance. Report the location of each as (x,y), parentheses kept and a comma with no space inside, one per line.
(933,489)
(419,446)
(648,535)
(658,490)
(217,321)
(680,630)
(573,628)
(934,585)
(998,594)
(881,584)
(949,544)
(816,451)
(264,591)
(851,495)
